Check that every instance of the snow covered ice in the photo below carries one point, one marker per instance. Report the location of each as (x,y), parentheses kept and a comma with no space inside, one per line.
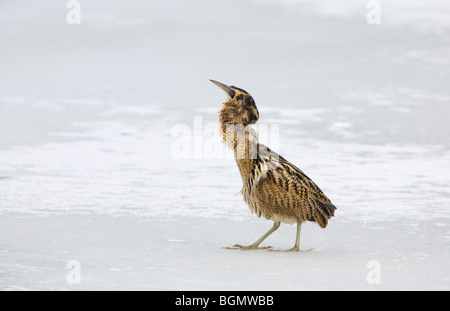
(88,175)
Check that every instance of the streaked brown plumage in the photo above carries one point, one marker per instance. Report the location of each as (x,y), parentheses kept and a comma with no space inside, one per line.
(272,187)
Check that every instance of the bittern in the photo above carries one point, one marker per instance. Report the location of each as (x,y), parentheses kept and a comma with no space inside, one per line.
(272,186)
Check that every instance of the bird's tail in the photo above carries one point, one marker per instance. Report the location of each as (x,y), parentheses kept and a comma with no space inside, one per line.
(323,213)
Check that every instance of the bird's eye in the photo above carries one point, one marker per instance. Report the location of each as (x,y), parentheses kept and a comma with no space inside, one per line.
(250,102)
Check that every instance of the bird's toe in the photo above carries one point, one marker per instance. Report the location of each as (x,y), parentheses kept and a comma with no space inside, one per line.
(248,247)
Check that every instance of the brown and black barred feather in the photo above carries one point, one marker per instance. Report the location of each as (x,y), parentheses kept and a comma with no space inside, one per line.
(286,191)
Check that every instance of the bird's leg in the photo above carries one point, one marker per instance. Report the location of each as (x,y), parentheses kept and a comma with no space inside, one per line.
(296,247)
(255,245)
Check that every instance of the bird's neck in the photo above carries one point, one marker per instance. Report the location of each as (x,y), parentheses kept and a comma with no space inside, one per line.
(242,139)
(244,142)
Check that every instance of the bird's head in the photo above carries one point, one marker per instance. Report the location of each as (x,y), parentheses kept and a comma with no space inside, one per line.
(240,108)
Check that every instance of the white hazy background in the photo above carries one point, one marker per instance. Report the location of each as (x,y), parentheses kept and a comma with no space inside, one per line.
(87,171)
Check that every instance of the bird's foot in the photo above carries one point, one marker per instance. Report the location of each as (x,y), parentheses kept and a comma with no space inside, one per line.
(294,249)
(248,247)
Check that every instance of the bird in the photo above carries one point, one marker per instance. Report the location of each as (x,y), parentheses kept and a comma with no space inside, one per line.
(272,186)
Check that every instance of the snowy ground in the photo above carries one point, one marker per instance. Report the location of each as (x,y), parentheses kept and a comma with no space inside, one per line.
(89,172)
(143,253)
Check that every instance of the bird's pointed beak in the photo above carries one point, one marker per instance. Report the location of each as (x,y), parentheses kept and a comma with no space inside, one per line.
(230,92)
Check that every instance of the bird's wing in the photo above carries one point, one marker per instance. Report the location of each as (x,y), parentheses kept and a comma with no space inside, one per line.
(284,189)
